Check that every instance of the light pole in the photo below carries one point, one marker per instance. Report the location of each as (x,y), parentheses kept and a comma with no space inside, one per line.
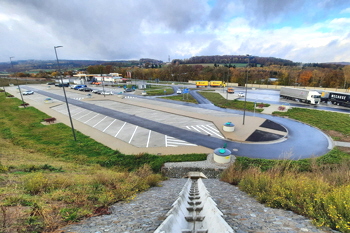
(19,88)
(246,87)
(102,80)
(64,91)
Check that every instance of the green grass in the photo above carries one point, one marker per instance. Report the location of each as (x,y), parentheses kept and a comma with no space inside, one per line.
(185,98)
(220,101)
(160,91)
(324,120)
(56,140)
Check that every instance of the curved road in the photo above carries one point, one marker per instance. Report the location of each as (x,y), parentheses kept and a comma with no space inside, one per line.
(303,140)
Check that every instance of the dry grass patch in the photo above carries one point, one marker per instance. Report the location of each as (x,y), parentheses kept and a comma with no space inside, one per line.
(41,194)
(338,136)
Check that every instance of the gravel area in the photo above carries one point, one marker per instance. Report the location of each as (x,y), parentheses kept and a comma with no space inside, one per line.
(147,211)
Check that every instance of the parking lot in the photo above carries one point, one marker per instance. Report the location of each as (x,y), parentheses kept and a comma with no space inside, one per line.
(129,133)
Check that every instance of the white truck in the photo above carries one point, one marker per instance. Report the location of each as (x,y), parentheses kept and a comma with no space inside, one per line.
(303,95)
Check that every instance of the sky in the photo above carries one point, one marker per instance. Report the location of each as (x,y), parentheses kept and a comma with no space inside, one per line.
(305,31)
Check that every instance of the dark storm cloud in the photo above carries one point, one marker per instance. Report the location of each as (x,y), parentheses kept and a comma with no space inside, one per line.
(133,29)
(115,29)
(261,13)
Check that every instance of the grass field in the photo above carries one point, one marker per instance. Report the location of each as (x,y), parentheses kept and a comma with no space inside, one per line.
(220,101)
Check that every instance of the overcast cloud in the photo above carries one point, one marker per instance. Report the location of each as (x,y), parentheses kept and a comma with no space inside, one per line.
(298,30)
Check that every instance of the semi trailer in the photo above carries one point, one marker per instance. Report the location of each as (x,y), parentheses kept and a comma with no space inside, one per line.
(337,98)
(303,95)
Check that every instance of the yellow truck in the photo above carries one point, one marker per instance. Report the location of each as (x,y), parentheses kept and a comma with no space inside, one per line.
(202,84)
(216,83)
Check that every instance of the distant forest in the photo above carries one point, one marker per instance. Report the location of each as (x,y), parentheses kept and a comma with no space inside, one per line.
(223,60)
(228,68)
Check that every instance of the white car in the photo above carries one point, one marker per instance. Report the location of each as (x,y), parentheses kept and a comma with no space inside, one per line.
(178,91)
(28,92)
(106,93)
(241,94)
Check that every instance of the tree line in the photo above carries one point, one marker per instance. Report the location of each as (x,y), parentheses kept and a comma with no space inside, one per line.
(338,77)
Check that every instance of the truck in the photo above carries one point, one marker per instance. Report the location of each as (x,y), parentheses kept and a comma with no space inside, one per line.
(202,84)
(303,95)
(216,83)
(339,98)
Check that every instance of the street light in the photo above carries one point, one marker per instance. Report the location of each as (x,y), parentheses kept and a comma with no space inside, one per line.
(64,91)
(19,88)
(246,87)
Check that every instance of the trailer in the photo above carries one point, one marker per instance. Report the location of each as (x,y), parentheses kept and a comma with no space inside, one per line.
(339,98)
(202,84)
(303,95)
(216,83)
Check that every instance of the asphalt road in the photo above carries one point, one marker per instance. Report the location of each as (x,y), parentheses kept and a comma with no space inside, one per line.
(303,141)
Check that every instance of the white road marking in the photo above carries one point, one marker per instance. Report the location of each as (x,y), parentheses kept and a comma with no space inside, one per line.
(133,134)
(91,118)
(149,136)
(120,130)
(99,122)
(210,131)
(109,125)
(195,128)
(84,115)
(79,112)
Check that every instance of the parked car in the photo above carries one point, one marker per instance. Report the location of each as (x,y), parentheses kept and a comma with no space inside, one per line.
(79,86)
(85,89)
(61,85)
(28,92)
(241,94)
(97,91)
(106,93)
(179,91)
(50,83)
(129,90)
(72,86)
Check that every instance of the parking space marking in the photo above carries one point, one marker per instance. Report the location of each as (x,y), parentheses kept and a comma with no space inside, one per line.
(109,125)
(83,110)
(91,118)
(84,115)
(149,136)
(120,130)
(99,122)
(133,134)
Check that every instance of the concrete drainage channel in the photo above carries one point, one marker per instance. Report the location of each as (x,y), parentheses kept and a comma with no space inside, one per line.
(194,211)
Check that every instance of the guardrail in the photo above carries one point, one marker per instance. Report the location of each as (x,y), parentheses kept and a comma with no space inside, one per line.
(194,211)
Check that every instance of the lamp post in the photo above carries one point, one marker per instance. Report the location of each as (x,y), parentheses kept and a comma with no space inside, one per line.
(246,87)
(64,91)
(102,80)
(19,88)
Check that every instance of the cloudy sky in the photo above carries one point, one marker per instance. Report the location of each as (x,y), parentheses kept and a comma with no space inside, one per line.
(298,30)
